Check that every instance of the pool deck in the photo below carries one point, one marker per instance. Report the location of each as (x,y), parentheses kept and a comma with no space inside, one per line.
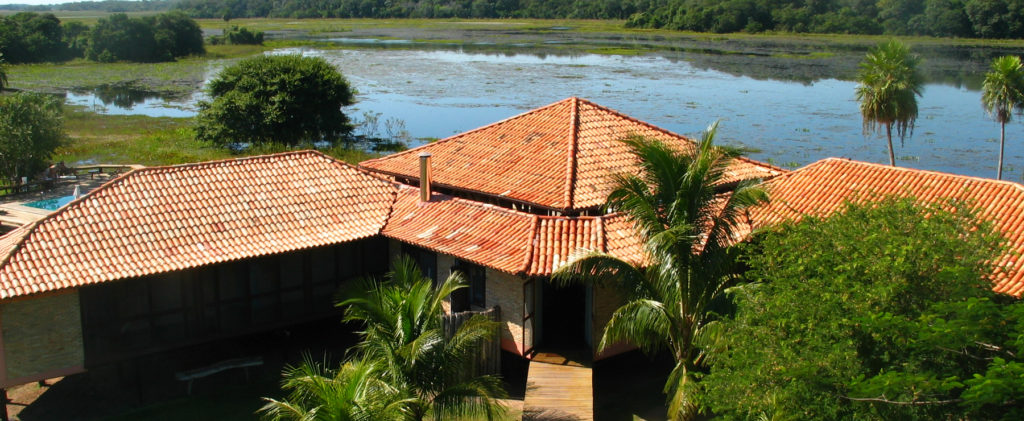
(14,213)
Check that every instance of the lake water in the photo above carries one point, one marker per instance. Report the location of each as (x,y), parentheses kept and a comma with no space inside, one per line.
(441,92)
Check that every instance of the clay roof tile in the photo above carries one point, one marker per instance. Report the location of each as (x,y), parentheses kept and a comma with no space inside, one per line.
(175,227)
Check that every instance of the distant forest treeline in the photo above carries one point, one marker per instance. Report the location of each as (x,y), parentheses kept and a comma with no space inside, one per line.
(942,18)
(29,37)
(112,6)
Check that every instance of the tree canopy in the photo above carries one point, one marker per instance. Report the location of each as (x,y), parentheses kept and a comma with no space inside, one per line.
(29,37)
(950,18)
(31,128)
(3,73)
(687,228)
(881,311)
(146,39)
(287,99)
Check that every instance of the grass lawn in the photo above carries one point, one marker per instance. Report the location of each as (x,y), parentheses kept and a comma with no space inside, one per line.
(115,139)
(174,78)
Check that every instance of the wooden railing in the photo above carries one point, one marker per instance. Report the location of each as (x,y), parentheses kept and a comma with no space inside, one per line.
(8,188)
(489,359)
(12,187)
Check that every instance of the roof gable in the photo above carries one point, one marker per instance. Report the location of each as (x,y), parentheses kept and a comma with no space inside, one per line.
(823,187)
(164,219)
(559,156)
(504,239)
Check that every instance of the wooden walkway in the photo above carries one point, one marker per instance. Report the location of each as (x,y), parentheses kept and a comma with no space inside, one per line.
(558,388)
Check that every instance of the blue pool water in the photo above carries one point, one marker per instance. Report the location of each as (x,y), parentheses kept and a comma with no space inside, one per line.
(50,204)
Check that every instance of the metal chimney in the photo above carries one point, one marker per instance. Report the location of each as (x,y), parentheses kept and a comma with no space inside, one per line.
(425,176)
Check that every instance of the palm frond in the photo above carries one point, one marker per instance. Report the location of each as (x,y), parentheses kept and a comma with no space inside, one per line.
(681,389)
(644,323)
(597,268)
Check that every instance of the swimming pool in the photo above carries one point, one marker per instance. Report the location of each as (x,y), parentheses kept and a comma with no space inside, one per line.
(50,204)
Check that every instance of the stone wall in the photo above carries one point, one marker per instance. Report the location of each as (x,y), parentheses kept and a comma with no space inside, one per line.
(42,337)
(506,291)
(606,301)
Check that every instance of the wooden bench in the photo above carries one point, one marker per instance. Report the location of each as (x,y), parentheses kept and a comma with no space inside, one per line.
(198,373)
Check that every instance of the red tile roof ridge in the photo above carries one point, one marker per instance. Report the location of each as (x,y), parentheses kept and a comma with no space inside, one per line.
(574,137)
(531,244)
(302,152)
(10,247)
(464,134)
(18,236)
(470,202)
(30,228)
(201,164)
(813,165)
(671,133)
(142,170)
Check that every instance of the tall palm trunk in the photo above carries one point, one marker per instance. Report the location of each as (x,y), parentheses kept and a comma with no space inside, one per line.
(888,136)
(1002,143)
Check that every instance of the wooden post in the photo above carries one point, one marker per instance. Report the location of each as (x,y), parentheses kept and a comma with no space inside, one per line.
(3,399)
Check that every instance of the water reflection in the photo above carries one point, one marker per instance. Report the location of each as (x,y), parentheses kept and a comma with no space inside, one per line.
(793,105)
(122,100)
(805,62)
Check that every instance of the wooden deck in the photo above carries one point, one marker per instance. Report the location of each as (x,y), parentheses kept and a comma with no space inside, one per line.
(558,388)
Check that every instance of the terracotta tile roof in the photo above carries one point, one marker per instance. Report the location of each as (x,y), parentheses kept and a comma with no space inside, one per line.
(558,157)
(621,239)
(822,187)
(504,239)
(558,238)
(163,219)
(481,233)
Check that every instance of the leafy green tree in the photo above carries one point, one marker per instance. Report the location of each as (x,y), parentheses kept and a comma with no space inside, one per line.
(76,39)
(288,99)
(944,18)
(405,362)
(178,34)
(3,73)
(889,83)
(687,226)
(238,36)
(1002,92)
(996,18)
(146,39)
(119,37)
(31,128)
(27,37)
(881,311)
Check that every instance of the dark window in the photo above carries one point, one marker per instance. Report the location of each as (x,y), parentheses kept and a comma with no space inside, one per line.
(425,259)
(476,294)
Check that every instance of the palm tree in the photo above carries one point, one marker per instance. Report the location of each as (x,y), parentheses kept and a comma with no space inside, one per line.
(404,332)
(353,392)
(889,84)
(687,225)
(406,364)
(1003,91)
